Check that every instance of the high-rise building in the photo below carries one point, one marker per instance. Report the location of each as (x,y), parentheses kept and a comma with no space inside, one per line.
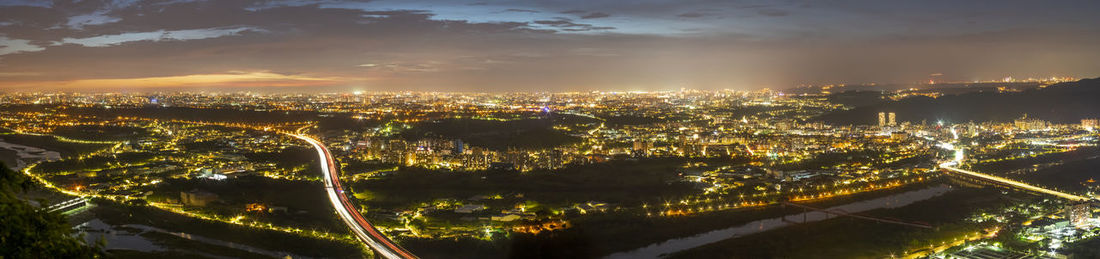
(892,122)
(459,147)
(881,119)
(641,147)
(1025,123)
(410,158)
(1090,123)
(1079,214)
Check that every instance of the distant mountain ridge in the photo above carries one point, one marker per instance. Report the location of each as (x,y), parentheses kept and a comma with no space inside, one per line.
(1061,103)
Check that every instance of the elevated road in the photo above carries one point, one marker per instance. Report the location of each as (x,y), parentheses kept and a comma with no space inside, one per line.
(949,166)
(360,227)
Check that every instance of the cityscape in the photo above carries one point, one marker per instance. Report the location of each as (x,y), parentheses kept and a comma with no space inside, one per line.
(211,129)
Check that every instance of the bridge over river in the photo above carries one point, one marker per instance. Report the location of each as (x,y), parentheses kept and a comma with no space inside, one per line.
(1005,182)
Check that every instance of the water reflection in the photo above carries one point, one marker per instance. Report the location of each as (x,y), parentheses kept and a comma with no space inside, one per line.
(128,237)
(25,155)
(115,238)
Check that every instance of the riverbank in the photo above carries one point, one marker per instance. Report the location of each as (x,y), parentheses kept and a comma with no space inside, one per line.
(763,225)
(172,231)
(16,157)
(845,237)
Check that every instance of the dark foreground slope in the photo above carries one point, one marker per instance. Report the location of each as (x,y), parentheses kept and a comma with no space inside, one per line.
(27,232)
(1059,103)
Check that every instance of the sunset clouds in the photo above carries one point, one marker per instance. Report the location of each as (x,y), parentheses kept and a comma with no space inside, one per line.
(232,79)
(535,46)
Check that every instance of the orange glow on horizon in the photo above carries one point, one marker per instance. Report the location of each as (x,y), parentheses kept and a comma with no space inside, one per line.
(230,79)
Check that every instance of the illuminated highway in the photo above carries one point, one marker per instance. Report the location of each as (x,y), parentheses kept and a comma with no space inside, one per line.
(360,227)
(950,166)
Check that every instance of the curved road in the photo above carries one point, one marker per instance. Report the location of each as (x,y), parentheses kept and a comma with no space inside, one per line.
(347,212)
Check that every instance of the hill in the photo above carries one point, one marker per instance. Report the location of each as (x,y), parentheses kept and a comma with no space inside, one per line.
(1059,103)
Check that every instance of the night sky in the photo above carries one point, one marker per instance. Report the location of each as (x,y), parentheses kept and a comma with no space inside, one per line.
(494,46)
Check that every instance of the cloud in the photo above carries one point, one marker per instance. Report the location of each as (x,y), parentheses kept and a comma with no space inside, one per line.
(12,46)
(753,6)
(160,35)
(586,14)
(229,79)
(430,66)
(429,45)
(19,74)
(79,21)
(556,23)
(568,25)
(25,3)
(514,10)
(691,15)
(595,15)
(773,12)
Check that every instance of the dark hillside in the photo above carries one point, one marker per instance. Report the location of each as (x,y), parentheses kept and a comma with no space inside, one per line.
(1059,103)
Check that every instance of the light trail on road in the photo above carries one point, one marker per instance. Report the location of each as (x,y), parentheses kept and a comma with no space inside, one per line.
(1014,183)
(347,212)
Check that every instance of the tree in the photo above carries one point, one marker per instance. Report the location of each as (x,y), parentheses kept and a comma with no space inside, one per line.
(28,232)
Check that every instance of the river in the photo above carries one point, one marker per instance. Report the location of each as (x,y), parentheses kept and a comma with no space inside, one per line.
(25,155)
(125,238)
(667,247)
